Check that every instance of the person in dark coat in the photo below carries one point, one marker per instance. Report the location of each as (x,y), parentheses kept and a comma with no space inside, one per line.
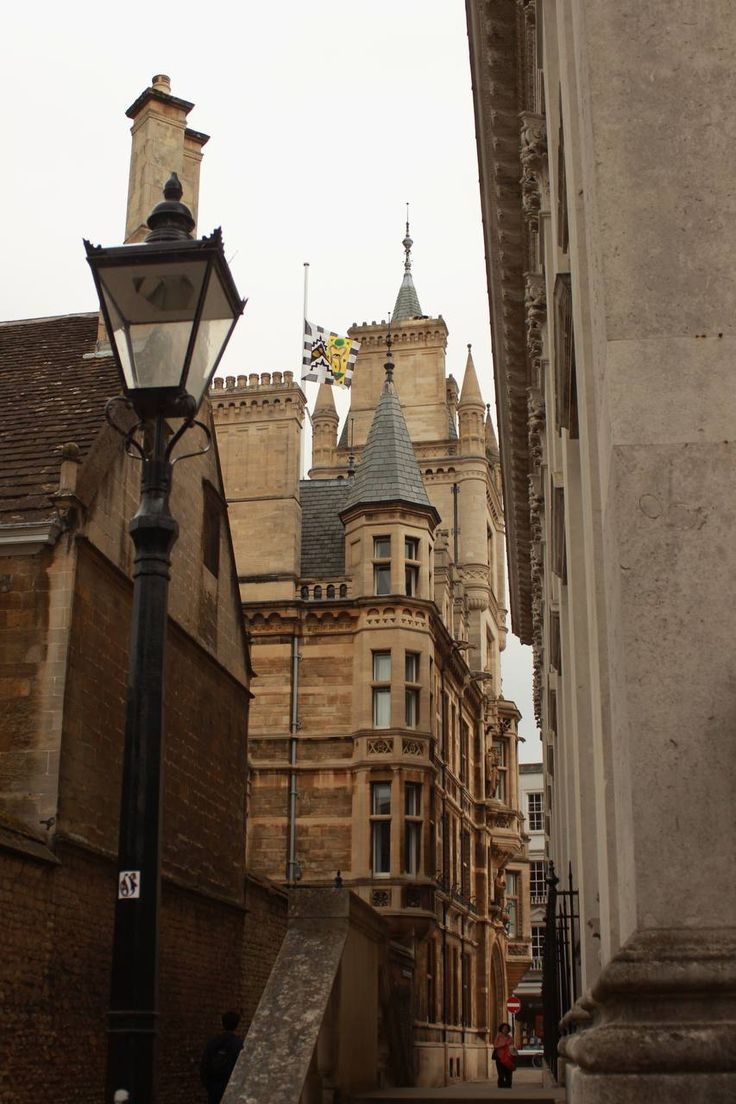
(219,1058)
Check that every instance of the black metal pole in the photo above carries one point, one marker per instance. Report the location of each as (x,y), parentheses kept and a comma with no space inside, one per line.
(132,1018)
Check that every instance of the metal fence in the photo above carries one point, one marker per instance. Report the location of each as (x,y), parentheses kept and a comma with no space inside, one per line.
(561,960)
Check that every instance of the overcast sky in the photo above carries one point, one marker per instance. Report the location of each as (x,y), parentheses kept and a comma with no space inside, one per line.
(325,117)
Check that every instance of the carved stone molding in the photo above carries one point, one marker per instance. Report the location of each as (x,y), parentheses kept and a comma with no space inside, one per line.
(661,1011)
(382,746)
(529,11)
(535,305)
(533,142)
(412,747)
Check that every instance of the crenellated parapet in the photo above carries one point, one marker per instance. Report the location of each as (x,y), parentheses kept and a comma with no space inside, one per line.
(264,394)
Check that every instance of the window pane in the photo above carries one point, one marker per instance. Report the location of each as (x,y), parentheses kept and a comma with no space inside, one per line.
(413,799)
(513,921)
(381,548)
(411,548)
(381,846)
(381,666)
(381,707)
(412,845)
(382,578)
(412,667)
(381,798)
(412,708)
(412,580)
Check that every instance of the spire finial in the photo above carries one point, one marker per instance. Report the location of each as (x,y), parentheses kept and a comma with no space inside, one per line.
(407,243)
(389,365)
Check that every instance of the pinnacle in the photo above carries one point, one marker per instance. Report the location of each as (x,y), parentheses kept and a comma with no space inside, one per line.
(471,392)
(325,403)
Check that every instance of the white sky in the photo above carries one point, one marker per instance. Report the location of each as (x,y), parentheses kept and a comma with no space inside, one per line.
(325,117)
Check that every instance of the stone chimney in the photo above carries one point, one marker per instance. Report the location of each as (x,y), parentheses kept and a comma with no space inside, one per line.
(162,144)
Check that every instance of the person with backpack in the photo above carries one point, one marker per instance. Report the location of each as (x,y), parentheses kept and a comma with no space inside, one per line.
(219,1058)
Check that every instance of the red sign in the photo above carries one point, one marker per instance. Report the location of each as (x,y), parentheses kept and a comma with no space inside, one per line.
(513,1005)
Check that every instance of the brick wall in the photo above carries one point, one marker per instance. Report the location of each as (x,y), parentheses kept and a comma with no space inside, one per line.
(55,972)
(265,927)
(57,916)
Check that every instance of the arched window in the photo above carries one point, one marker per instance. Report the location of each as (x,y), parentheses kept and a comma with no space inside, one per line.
(305,593)
(343,590)
(330,591)
(317,593)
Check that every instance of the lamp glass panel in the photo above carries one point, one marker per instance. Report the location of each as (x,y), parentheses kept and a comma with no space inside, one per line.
(151,308)
(214,328)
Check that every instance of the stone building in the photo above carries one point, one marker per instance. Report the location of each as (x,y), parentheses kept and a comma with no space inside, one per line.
(67,493)
(374,597)
(606,185)
(528,989)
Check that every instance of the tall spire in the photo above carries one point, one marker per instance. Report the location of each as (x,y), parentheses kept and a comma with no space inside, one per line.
(407,301)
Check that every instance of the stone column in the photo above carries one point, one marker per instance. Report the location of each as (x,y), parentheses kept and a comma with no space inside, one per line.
(657,394)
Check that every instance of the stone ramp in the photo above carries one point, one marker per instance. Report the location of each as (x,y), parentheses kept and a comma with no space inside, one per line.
(274,1062)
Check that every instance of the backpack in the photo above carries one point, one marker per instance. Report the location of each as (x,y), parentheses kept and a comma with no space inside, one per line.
(221,1062)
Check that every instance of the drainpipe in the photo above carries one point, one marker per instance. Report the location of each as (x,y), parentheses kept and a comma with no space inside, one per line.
(292,866)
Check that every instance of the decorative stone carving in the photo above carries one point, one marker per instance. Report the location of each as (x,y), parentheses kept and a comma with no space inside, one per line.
(529,9)
(533,142)
(381,746)
(493,762)
(380,898)
(412,747)
(535,305)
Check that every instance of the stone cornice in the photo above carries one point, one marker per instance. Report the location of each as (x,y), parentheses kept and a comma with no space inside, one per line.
(498,59)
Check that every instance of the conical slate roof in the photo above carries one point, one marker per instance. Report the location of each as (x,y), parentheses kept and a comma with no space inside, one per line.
(407,301)
(388,470)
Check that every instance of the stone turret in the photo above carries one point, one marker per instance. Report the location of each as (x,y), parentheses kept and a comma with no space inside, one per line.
(324,429)
(471,409)
(387,508)
(259,420)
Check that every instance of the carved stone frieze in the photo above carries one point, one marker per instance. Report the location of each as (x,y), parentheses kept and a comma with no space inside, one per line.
(533,142)
(535,305)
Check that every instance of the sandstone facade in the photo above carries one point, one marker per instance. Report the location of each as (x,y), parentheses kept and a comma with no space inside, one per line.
(373,592)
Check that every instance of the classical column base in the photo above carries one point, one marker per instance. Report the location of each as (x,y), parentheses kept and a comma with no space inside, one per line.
(660,1025)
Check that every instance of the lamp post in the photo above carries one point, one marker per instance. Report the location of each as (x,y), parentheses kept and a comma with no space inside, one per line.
(170,306)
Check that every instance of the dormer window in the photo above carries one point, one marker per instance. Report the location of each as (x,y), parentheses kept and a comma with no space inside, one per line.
(382,565)
(411,565)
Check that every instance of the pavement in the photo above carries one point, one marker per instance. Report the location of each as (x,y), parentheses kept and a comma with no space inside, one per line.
(527,1089)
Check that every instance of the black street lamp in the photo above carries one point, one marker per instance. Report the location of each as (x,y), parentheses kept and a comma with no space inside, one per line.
(170,306)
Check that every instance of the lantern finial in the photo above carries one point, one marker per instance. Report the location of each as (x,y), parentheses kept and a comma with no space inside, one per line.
(170,220)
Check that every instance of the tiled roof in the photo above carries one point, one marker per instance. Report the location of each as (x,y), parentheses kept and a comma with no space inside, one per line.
(323,534)
(388,469)
(49,396)
(407,301)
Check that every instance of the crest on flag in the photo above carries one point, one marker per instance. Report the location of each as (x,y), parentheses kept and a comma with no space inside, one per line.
(327,357)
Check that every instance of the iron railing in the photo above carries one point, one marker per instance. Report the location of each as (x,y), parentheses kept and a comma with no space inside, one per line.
(561,960)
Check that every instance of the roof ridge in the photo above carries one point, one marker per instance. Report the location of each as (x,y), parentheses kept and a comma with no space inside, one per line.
(47,318)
